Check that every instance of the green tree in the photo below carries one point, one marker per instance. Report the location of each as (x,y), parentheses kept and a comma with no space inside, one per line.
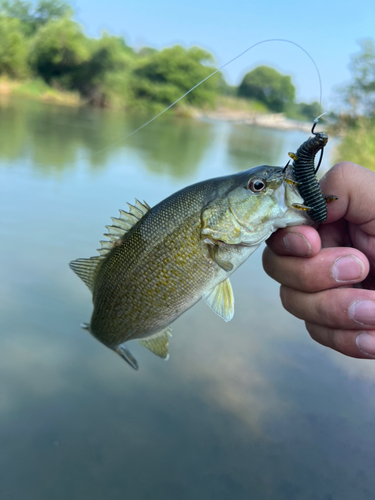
(13,51)
(269,86)
(304,111)
(104,78)
(57,50)
(32,16)
(164,76)
(359,95)
(310,111)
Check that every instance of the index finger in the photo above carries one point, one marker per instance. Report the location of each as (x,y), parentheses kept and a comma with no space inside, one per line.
(354,186)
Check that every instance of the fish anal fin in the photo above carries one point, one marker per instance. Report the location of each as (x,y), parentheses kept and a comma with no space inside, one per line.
(126,355)
(158,343)
(86,269)
(221,300)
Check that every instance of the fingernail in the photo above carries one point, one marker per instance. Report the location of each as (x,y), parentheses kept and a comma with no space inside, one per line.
(366,344)
(297,244)
(348,268)
(362,312)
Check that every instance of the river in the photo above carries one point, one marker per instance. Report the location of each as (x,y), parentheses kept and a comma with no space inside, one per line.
(250,409)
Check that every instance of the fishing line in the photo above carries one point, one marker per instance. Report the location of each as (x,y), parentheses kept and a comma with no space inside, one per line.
(214,73)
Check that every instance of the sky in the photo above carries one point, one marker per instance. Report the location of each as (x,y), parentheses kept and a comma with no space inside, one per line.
(329,31)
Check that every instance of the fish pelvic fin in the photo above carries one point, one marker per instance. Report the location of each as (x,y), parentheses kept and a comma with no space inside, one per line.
(221,300)
(158,343)
(126,355)
(86,269)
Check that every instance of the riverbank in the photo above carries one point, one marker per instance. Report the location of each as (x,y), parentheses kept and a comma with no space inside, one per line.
(267,120)
(228,109)
(40,91)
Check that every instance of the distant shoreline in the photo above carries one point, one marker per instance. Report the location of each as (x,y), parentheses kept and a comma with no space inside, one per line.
(276,121)
(43,93)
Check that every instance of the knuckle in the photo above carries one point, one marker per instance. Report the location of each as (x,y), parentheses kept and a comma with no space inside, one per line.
(303,277)
(313,331)
(287,298)
(337,172)
(321,335)
(324,312)
(266,260)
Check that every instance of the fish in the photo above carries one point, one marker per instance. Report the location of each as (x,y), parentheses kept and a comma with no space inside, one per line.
(158,262)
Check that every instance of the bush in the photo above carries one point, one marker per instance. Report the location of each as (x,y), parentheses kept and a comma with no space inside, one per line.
(358,144)
(13,51)
(164,76)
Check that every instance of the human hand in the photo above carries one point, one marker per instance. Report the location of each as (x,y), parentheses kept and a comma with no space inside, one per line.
(327,275)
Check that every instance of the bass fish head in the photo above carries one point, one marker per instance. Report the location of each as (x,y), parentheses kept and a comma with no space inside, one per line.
(257,202)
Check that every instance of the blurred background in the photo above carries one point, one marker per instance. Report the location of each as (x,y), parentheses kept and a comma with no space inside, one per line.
(248,409)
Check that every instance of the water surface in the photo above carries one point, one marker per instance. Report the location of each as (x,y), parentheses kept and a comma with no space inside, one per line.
(248,409)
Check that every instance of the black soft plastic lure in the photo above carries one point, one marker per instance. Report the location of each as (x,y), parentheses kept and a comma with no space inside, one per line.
(304,173)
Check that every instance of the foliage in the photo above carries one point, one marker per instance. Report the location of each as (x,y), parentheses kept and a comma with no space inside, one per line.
(41,38)
(357,122)
(304,111)
(32,16)
(104,78)
(269,86)
(164,76)
(358,144)
(359,95)
(13,51)
(57,49)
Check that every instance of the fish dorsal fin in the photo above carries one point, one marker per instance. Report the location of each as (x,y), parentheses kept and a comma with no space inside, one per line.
(221,300)
(158,343)
(122,224)
(86,269)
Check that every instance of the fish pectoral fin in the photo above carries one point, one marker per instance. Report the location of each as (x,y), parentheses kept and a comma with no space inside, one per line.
(221,300)
(158,343)
(214,254)
(86,269)
(126,355)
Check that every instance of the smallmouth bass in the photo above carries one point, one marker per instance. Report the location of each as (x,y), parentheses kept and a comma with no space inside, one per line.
(160,261)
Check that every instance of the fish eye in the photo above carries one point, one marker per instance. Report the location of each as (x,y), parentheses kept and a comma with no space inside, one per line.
(257,185)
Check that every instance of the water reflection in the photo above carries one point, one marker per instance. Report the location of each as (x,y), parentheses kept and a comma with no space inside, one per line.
(249,145)
(55,138)
(173,146)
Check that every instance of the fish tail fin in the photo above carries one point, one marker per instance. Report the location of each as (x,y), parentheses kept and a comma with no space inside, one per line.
(126,355)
